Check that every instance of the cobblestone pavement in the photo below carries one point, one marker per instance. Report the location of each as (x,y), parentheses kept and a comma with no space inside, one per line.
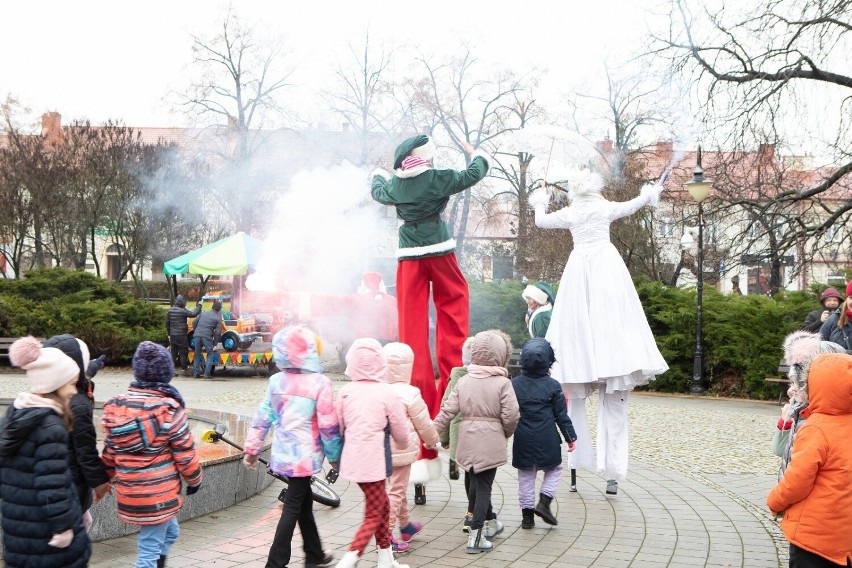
(699,472)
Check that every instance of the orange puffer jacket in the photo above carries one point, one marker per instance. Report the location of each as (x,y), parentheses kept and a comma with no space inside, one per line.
(815,493)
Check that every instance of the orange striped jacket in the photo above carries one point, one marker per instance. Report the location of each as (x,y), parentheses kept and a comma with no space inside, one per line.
(148,448)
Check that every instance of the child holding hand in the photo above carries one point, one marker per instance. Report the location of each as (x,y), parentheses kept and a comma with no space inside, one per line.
(537,446)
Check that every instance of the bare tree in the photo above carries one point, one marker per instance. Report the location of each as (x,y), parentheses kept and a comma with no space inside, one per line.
(240,81)
(364,95)
(757,70)
(469,108)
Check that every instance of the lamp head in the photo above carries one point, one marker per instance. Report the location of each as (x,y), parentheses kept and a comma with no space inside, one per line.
(698,187)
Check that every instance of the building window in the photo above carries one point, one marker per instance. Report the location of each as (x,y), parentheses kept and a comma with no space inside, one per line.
(665,227)
(503,268)
(834,234)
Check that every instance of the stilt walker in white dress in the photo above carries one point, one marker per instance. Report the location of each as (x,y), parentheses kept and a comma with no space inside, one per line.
(598,328)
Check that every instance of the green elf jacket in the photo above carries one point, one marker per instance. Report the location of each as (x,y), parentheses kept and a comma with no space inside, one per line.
(420,195)
(540,321)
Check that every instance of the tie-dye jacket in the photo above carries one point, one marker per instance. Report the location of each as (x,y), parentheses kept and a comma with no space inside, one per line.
(299,407)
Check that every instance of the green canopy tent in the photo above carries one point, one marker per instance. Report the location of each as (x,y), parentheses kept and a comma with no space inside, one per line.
(232,256)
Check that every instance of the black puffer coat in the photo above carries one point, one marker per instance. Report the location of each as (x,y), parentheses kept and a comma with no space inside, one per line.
(39,499)
(537,443)
(176,325)
(83,458)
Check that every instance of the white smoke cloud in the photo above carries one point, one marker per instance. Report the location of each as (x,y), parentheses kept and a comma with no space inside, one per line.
(324,230)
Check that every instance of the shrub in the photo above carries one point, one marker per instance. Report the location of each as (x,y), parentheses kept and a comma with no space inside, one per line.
(55,301)
(742,335)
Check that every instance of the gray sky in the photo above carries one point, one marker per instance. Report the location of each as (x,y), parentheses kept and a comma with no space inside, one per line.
(105,59)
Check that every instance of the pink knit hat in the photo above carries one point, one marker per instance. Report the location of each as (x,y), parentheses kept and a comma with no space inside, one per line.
(48,368)
(849,289)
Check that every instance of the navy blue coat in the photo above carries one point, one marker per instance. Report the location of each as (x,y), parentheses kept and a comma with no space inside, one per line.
(543,411)
(39,499)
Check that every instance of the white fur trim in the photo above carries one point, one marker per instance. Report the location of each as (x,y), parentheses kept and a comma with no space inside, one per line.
(381,172)
(480,154)
(426,151)
(535,294)
(445,246)
(540,310)
(424,471)
(583,181)
(413,172)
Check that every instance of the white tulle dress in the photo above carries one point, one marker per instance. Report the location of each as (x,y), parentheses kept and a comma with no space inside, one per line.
(598,329)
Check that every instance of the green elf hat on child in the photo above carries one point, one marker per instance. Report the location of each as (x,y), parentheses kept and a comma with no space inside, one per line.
(420,146)
(540,292)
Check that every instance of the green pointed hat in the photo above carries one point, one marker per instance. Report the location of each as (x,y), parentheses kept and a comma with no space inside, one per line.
(406,147)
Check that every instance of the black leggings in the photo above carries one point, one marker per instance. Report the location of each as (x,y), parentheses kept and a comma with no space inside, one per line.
(801,558)
(480,494)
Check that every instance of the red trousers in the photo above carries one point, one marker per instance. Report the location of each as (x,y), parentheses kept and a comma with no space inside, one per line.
(376,510)
(452,306)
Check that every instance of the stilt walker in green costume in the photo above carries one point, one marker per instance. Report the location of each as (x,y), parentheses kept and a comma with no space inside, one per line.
(427,259)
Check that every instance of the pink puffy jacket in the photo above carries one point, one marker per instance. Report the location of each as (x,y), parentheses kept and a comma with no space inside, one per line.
(400,359)
(370,414)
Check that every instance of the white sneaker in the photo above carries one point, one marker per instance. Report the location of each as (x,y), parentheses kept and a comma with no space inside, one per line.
(477,542)
(386,560)
(493,528)
(349,560)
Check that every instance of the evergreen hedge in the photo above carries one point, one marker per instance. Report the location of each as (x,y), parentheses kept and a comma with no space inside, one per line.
(742,334)
(49,302)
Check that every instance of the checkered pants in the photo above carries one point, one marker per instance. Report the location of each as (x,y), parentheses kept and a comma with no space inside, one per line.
(376,512)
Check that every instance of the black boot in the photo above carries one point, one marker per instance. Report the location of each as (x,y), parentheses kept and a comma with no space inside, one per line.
(419,494)
(529,518)
(573,487)
(161,561)
(454,469)
(543,509)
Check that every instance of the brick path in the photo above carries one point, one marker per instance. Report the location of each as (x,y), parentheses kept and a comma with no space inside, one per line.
(699,472)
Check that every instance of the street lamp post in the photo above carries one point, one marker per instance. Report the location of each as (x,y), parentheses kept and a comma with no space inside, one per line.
(699,189)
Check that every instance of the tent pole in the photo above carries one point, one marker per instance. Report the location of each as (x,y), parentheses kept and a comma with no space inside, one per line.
(174,286)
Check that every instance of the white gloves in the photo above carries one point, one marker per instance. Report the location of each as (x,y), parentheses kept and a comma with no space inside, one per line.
(652,191)
(62,540)
(539,197)
(250,461)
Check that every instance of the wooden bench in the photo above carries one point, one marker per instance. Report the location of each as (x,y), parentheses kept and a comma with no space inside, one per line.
(783,381)
(514,365)
(5,343)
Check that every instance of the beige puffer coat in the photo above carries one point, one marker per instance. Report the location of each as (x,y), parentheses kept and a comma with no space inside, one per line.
(400,359)
(487,401)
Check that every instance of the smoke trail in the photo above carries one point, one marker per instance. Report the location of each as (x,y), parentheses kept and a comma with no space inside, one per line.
(325,230)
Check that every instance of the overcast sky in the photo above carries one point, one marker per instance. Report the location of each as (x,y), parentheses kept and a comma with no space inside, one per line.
(107,59)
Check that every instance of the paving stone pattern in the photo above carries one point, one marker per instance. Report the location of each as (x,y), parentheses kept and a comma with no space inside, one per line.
(699,472)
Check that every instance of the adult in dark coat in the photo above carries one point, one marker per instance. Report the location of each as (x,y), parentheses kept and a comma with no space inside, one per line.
(537,445)
(42,519)
(83,459)
(177,328)
(206,330)
(838,327)
(830,300)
